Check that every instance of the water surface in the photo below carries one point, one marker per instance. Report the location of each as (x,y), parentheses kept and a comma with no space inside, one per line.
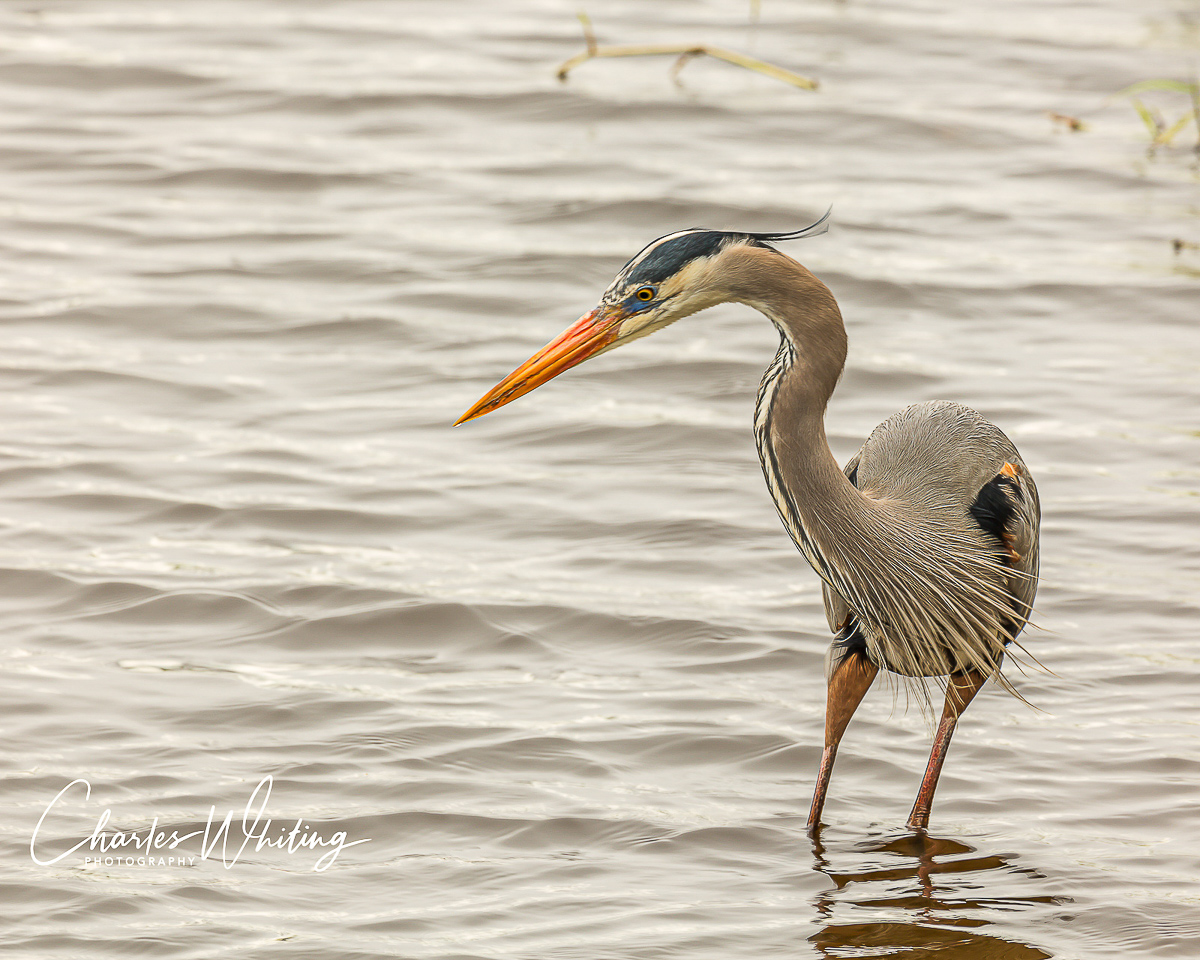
(562,667)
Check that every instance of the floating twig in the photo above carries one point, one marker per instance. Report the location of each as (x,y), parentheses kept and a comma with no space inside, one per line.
(684,51)
(1071,123)
(589,35)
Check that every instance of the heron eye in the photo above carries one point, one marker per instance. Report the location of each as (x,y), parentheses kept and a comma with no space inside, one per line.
(645,293)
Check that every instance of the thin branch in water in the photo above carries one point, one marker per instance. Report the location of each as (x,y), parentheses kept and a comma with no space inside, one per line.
(679,64)
(589,33)
(684,51)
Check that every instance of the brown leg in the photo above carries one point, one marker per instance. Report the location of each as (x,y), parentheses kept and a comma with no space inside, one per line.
(959,693)
(847,687)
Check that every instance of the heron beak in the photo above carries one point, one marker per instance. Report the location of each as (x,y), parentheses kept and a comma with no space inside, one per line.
(590,334)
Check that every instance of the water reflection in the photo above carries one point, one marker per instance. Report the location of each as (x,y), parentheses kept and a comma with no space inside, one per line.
(922,895)
(916,942)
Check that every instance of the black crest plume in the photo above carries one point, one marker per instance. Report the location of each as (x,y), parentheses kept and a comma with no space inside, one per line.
(812,230)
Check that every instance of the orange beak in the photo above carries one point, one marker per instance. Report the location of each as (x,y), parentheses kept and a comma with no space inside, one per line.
(590,334)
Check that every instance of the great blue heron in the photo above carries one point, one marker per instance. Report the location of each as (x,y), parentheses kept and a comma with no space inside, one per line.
(927,541)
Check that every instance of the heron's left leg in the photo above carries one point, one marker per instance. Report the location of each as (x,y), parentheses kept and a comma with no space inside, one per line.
(959,693)
(848,684)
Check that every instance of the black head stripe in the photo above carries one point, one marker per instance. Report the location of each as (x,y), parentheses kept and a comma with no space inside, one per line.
(667,255)
(665,258)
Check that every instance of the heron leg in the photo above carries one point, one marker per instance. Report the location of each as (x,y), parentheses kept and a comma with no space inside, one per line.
(847,687)
(959,693)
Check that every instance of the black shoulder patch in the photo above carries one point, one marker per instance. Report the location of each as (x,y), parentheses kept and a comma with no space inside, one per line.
(852,476)
(993,508)
(668,258)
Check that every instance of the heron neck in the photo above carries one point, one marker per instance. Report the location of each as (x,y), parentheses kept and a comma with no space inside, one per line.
(881,556)
(797,387)
(794,430)
(814,498)
(804,312)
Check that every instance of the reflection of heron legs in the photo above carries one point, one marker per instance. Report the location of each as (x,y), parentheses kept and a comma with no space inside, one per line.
(847,687)
(959,693)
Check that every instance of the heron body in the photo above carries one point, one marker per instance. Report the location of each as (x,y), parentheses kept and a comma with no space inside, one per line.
(927,541)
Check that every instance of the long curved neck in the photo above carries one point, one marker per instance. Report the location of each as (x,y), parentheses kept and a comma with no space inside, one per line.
(797,386)
(800,306)
(840,531)
(881,554)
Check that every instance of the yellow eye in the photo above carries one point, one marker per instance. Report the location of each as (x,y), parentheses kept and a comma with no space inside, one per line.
(646,293)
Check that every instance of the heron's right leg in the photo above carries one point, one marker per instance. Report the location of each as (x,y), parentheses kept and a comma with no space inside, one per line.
(847,685)
(960,691)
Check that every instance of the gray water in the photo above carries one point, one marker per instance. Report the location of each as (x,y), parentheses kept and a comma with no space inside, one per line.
(561,668)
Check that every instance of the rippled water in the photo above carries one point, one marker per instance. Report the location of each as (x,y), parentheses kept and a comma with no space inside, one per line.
(562,667)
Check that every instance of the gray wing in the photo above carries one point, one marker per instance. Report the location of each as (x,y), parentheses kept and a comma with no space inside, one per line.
(945,453)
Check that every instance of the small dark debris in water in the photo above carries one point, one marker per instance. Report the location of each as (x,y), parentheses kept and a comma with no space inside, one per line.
(1071,123)
(1180,245)
(685,52)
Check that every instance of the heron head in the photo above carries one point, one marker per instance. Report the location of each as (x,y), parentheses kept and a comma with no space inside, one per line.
(673,277)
